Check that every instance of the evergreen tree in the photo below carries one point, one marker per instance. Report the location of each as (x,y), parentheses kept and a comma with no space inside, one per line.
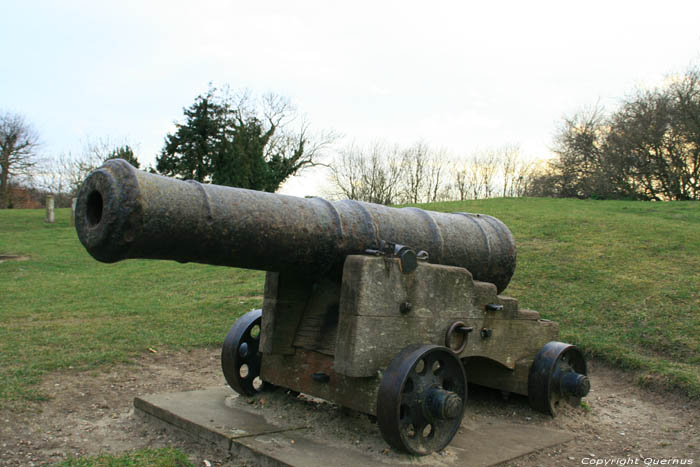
(236,145)
(124,152)
(190,151)
(242,162)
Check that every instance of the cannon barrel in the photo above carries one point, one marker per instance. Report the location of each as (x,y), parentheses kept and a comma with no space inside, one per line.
(126,213)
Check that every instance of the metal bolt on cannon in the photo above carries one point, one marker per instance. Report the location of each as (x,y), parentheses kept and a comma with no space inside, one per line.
(383,310)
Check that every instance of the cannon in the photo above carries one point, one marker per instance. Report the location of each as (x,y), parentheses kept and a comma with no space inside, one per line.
(388,311)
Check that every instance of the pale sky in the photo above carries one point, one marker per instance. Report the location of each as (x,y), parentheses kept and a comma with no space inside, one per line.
(458,75)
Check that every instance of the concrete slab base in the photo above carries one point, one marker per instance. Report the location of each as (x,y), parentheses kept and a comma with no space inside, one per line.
(206,415)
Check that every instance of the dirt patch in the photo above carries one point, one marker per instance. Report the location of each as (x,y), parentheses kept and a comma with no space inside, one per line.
(4,258)
(92,412)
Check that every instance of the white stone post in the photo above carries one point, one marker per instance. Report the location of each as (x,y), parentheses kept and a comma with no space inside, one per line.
(49,210)
(72,211)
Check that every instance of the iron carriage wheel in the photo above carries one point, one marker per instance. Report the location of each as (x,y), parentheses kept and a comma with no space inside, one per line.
(420,403)
(240,357)
(557,375)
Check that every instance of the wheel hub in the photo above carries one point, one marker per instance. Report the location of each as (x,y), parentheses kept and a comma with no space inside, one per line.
(443,405)
(575,384)
(421,397)
(558,374)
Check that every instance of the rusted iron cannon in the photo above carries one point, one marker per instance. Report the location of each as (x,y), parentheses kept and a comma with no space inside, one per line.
(383,310)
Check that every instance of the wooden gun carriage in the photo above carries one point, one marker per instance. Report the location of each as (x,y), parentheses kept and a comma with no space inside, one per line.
(386,311)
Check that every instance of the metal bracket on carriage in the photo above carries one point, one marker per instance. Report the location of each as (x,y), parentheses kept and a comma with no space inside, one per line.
(408,257)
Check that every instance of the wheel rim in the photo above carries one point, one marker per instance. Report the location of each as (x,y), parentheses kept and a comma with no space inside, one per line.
(421,399)
(240,359)
(557,375)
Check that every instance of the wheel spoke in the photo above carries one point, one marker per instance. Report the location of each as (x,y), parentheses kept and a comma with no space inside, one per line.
(404,418)
(240,359)
(412,399)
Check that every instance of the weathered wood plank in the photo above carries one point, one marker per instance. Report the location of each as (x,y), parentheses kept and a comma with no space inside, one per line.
(490,374)
(318,328)
(373,328)
(296,372)
(367,344)
(376,287)
(286,297)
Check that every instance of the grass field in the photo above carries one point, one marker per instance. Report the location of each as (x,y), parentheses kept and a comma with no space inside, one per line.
(163,457)
(621,278)
(62,309)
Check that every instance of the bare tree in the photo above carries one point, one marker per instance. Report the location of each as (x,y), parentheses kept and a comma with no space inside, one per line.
(475,181)
(522,177)
(541,181)
(292,146)
(509,160)
(466,177)
(18,158)
(63,174)
(415,161)
(346,173)
(489,172)
(648,148)
(655,137)
(421,174)
(371,174)
(424,172)
(489,162)
(385,170)
(461,180)
(66,171)
(436,187)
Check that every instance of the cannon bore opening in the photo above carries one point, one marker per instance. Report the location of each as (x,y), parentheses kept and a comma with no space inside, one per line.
(94,208)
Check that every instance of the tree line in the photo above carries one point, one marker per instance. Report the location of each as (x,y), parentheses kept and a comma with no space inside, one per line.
(647,149)
(238,140)
(226,138)
(389,174)
(23,169)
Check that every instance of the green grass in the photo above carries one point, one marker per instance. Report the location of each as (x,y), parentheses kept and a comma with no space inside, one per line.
(621,278)
(62,309)
(164,457)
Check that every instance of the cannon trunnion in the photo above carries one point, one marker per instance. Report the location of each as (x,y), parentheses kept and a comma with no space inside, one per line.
(350,314)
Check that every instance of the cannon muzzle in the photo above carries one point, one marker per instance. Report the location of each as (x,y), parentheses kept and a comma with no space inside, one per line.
(126,213)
